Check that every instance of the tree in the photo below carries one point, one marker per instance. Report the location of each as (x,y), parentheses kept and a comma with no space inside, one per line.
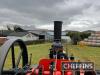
(78,36)
(84,35)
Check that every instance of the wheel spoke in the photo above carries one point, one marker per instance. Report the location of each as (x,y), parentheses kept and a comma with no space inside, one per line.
(13,56)
(19,57)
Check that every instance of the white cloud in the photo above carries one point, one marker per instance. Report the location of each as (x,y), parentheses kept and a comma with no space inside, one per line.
(50,27)
(75,14)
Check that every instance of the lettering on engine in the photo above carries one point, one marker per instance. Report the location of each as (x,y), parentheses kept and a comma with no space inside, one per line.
(87,66)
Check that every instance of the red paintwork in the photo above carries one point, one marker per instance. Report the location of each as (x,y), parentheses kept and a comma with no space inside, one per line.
(45,63)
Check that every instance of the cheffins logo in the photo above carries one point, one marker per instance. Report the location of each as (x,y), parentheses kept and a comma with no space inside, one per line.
(88,66)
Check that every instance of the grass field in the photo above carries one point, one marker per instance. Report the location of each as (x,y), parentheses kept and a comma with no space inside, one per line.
(84,53)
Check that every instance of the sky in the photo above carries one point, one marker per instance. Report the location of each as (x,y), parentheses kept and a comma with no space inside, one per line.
(76,14)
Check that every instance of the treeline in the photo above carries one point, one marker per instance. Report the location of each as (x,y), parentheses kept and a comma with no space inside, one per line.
(77,36)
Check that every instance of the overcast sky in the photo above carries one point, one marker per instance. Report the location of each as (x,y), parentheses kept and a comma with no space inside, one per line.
(75,14)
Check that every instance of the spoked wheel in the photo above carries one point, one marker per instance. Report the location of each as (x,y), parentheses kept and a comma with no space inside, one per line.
(9,47)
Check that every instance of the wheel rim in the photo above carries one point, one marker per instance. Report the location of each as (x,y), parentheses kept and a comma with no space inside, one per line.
(5,49)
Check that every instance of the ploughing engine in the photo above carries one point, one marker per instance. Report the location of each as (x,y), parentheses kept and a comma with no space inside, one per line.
(54,65)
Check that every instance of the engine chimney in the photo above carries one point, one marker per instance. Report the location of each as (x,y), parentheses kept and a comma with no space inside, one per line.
(57,30)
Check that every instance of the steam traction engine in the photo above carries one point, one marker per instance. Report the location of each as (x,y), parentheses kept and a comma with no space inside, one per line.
(55,65)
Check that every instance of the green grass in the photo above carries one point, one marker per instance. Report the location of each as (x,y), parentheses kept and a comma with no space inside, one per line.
(84,53)
(38,51)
